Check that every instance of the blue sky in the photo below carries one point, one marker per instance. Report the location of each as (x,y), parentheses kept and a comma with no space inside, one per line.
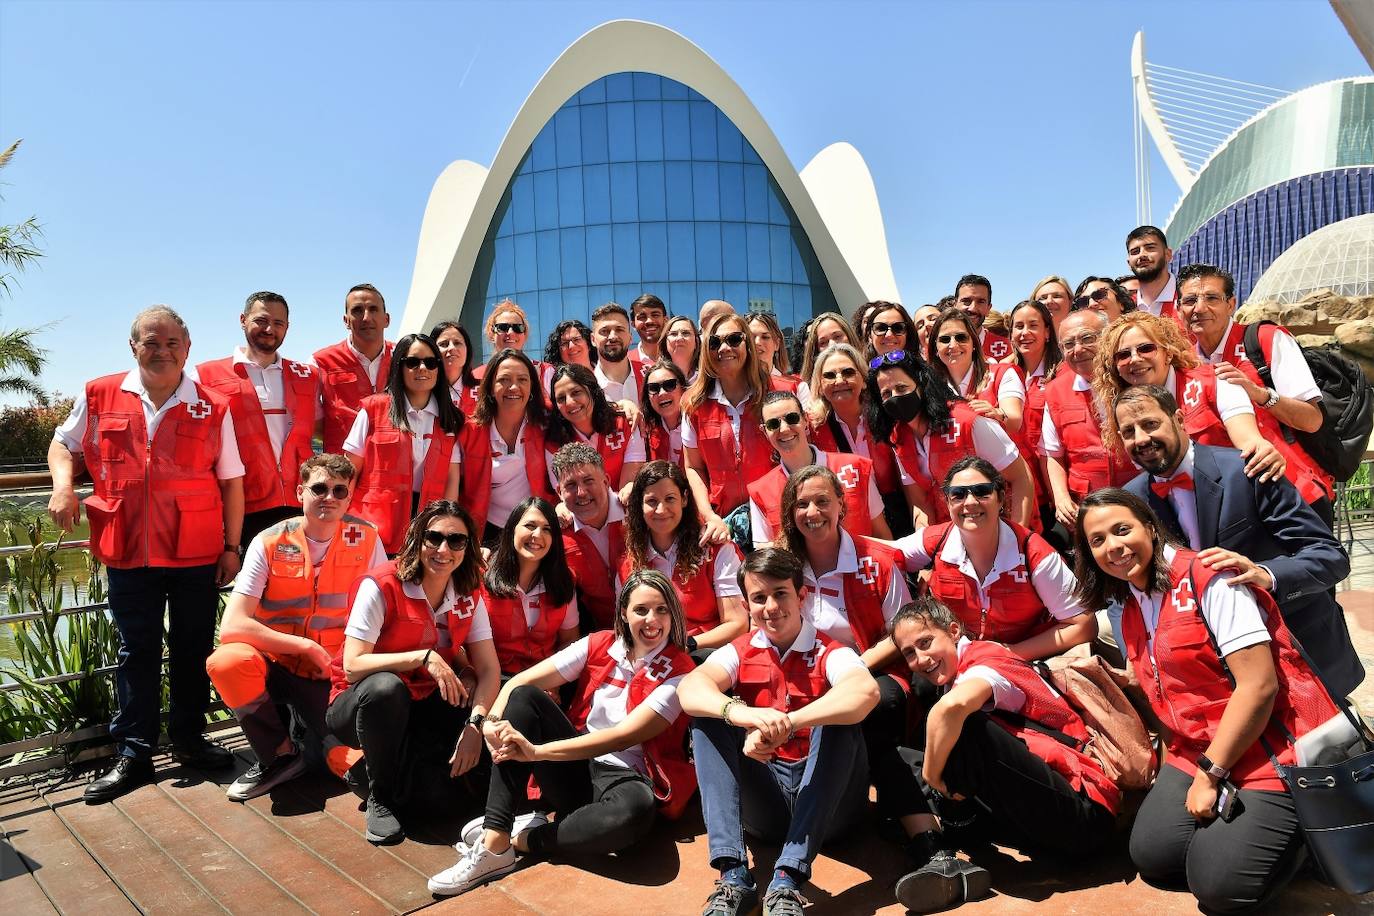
(190,153)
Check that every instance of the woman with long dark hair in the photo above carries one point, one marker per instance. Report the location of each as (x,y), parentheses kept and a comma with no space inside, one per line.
(661,410)
(455,348)
(887,327)
(405,442)
(570,342)
(1035,349)
(582,414)
(396,693)
(529,589)
(608,765)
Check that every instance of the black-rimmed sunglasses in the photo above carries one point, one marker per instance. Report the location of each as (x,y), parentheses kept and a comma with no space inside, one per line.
(773,424)
(662,387)
(879,328)
(503,327)
(437,539)
(979,491)
(945,340)
(1087,299)
(731,340)
(414,362)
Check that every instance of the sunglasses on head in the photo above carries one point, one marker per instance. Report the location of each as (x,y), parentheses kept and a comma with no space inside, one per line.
(847,372)
(978,491)
(879,328)
(503,327)
(1144,349)
(957,337)
(437,539)
(338,491)
(662,387)
(414,362)
(896,356)
(1096,295)
(731,340)
(773,424)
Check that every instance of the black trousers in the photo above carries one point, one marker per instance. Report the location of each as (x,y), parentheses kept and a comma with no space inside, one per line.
(601,808)
(1228,867)
(884,730)
(1020,800)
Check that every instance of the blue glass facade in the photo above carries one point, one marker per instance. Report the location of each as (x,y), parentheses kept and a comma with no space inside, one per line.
(639,184)
(1247,236)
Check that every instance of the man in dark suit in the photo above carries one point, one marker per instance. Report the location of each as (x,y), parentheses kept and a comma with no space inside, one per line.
(1262,531)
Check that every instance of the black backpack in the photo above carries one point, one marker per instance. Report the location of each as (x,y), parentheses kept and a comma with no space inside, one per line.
(1347,406)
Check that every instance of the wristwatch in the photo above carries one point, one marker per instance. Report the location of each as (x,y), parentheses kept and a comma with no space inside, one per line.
(476,720)
(1273,398)
(1205,764)
(235,549)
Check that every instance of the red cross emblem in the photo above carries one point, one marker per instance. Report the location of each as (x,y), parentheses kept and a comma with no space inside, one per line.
(1240,352)
(352,535)
(300,369)
(464,607)
(1182,597)
(849,476)
(998,348)
(1192,392)
(954,429)
(658,669)
(615,441)
(1019,574)
(868,570)
(198,409)
(811,655)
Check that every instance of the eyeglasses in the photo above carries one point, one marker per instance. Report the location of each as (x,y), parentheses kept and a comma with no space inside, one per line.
(1126,353)
(731,340)
(414,362)
(879,328)
(567,343)
(1082,340)
(338,491)
(1210,299)
(662,387)
(1096,295)
(847,372)
(957,337)
(896,356)
(437,539)
(773,424)
(502,327)
(979,491)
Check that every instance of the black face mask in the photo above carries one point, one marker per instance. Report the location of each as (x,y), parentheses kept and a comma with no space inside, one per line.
(903,407)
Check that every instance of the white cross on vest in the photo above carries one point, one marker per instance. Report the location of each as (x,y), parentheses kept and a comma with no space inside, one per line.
(1192,392)
(849,476)
(1019,574)
(954,429)
(615,440)
(1182,597)
(868,570)
(300,369)
(998,348)
(811,655)
(464,607)
(198,409)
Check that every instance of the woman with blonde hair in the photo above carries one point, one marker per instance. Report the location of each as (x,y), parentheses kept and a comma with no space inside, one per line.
(826,328)
(1056,295)
(771,345)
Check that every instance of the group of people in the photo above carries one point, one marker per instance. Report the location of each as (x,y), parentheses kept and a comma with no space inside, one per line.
(578,591)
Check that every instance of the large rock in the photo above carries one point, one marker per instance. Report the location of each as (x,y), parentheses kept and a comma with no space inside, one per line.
(1316,341)
(1347,308)
(1300,319)
(1357,337)
(1267,310)
(1315,298)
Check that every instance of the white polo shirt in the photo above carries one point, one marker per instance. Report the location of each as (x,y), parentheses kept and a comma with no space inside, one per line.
(368,613)
(838,663)
(825,604)
(1291,375)
(990,442)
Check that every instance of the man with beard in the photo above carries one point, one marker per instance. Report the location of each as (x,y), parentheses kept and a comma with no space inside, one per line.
(1148,255)
(1262,531)
(649,316)
(276,406)
(620,375)
(356,366)
(596,540)
(973,296)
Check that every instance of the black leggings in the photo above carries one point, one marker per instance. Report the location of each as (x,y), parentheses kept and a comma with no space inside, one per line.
(602,808)
(1227,866)
(884,729)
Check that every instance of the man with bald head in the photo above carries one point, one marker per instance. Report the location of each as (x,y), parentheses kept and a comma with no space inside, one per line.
(711,311)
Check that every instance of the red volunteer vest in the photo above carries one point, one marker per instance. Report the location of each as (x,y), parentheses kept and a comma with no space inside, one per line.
(673,776)
(731,464)
(787,686)
(475,494)
(697,593)
(596,592)
(864,592)
(409,624)
(158,503)
(519,646)
(854,472)
(611,447)
(1026,443)
(995,346)
(345,384)
(465,399)
(880,453)
(1048,708)
(1088,463)
(1014,612)
(1028,439)
(943,449)
(268,482)
(658,445)
(384,491)
(1189,690)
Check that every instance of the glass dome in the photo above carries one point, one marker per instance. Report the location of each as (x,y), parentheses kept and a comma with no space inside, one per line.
(1338,257)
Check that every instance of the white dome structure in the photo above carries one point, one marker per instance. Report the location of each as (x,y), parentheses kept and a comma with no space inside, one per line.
(1338,257)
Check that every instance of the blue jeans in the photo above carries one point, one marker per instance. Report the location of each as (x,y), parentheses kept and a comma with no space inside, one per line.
(800,804)
(138,600)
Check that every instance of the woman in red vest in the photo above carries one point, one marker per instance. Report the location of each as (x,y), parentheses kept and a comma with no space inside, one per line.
(771,347)
(723,449)
(455,348)
(606,767)
(505,451)
(395,692)
(663,531)
(1035,351)
(1141,349)
(1221,671)
(582,414)
(405,442)
(999,734)
(1004,582)
(529,589)
(660,413)
(930,427)
(508,328)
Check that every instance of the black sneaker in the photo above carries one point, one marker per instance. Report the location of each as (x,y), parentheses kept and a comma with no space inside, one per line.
(383,827)
(202,753)
(942,882)
(259,780)
(784,901)
(729,899)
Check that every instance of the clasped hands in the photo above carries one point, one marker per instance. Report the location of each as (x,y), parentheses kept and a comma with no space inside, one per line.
(505,743)
(765,730)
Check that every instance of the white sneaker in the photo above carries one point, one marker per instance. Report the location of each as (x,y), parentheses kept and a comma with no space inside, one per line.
(472,830)
(476,867)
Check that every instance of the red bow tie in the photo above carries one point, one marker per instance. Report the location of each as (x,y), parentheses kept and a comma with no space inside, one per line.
(1163,488)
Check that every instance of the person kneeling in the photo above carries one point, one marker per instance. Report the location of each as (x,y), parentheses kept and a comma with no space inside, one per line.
(784,757)
(999,740)
(608,766)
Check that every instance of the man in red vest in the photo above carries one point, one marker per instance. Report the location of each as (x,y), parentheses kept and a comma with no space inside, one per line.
(165,515)
(596,540)
(356,366)
(650,316)
(285,621)
(620,373)
(973,296)
(782,755)
(276,406)
(1148,255)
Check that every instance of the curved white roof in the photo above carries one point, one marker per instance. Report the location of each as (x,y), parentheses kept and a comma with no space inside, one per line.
(1338,257)
(833,198)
